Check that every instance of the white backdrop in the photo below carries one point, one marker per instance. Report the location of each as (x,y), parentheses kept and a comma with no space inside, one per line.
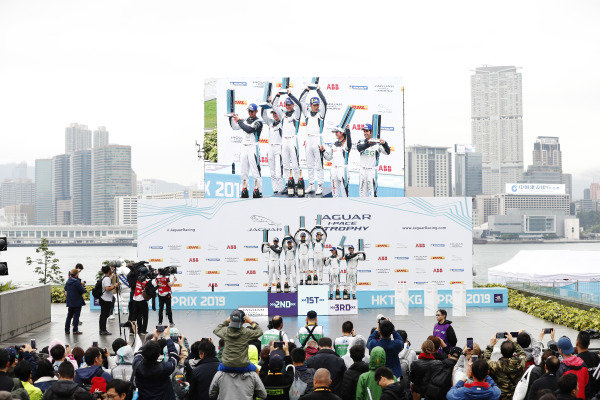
(216,242)
(368,96)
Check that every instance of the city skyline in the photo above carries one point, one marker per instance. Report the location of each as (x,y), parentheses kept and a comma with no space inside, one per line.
(144,83)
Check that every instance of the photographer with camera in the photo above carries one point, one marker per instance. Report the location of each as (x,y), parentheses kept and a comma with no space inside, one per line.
(143,291)
(163,289)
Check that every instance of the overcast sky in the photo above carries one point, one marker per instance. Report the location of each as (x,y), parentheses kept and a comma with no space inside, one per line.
(138,68)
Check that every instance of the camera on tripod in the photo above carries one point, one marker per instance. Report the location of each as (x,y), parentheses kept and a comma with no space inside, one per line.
(170,270)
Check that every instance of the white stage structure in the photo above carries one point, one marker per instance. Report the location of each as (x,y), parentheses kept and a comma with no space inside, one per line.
(547,266)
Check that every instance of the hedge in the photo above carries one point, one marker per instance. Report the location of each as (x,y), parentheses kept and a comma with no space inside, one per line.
(58,294)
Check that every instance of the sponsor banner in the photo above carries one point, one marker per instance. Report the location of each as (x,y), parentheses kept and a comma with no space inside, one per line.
(283,303)
(313,297)
(220,239)
(367,96)
(478,297)
(343,307)
(255,311)
(217,185)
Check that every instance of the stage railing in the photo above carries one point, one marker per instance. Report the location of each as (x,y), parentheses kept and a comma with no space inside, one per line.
(568,291)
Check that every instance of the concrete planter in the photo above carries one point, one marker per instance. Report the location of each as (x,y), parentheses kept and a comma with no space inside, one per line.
(23,309)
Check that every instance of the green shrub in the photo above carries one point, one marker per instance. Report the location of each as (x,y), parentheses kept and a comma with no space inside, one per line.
(5,287)
(58,294)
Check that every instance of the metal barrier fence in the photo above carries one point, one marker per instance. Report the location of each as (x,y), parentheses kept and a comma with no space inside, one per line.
(562,290)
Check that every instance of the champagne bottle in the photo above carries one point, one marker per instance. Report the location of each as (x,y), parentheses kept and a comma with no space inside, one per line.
(256,194)
(245,194)
(300,186)
(291,186)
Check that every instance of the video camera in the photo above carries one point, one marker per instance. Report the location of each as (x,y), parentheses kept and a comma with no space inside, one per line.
(141,271)
(170,270)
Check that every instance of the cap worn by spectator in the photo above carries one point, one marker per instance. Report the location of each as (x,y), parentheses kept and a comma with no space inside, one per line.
(564,344)
(456,352)
(98,385)
(380,317)
(236,319)
(276,363)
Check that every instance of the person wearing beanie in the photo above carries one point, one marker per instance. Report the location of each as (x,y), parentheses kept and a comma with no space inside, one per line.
(98,385)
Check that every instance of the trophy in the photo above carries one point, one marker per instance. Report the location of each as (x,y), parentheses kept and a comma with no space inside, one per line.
(346,118)
(285,85)
(286,232)
(342,240)
(230,102)
(313,84)
(245,190)
(291,186)
(300,186)
(376,127)
(267,95)
(265,236)
(361,245)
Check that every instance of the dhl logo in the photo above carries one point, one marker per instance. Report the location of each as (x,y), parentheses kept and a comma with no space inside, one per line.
(392,148)
(213,272)
(241,102)
(155,260)
(302,123)
(265,141)
(382,245)
(250,259)
(456,282)
(438,258)
(279,85)
(401,270)
(193,247)
(328,163)
(364,283)
(359,107)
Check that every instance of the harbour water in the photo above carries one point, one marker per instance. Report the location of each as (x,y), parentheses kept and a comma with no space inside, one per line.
(484,256)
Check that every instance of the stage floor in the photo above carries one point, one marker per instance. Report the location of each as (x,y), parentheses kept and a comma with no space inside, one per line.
(481,324)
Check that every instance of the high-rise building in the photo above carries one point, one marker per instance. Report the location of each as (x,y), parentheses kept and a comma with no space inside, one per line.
(467,171)
(126,210)
(16,192)
(497,125)
(81,187)
(111,177)
(77,137)
(586,194)
(547,164)
(595,191)
(546,152)
(61,188)
(430,167)
(43,192)
(147,187)
(100,137)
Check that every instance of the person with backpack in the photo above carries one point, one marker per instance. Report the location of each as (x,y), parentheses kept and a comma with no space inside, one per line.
(571,364)
(65,388)
(441,376)
(302,375)
(311,331)
(509,369)
(93,360)
(354,372)
(103,291)
(421,370)
(74,290)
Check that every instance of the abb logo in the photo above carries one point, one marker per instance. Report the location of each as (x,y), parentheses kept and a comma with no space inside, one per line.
(333,86)
(231,247)
(241,102)
(357,127)
(342,271)
(385,168)
(438,270)
(264,160)
(420,245)
(213,285)
(251,272)
(359,107)
(382,258)
(401,281)
(193,260)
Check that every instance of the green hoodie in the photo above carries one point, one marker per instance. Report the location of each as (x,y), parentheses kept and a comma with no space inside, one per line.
(367,380)
(235,354)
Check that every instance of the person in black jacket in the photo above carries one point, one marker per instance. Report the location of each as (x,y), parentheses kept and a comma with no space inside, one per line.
(75,290)
(590,359)
(322,387)
(328,359)
(153,378)
(357,352)
(567,387)
(391,390)
(546,381)
(421,369)
(277,384)
(64,387)
(441,376)
(6,382)
(201,374)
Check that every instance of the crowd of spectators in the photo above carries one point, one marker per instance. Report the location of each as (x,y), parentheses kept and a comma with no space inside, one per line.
(248,363)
